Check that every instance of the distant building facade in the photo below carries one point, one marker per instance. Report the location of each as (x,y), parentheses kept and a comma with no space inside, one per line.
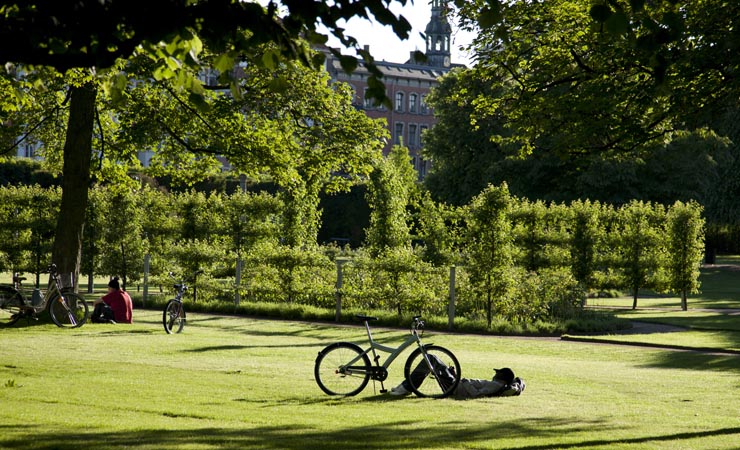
(407,85)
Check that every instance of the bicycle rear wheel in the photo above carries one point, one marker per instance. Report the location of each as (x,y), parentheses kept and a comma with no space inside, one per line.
(173,317)
(333,374)
(435,376)
(11,306)
(68,310)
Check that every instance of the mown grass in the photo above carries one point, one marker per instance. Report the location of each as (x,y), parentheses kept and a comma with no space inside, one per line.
(240,383)
(712,319)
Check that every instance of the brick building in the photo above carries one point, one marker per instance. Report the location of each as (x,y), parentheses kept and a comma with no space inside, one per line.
(407,85)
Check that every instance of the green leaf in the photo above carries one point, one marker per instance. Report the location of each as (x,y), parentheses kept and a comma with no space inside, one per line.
(268,60)
(162,73)
(490,17)
(348,63)
(279,84)
(196,46)
(224,62)
(199,101)
(316,38)
(172,63)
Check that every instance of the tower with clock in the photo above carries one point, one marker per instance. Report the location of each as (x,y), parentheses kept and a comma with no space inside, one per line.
(438,33)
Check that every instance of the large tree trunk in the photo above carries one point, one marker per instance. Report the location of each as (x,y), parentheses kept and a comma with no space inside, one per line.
(67,250)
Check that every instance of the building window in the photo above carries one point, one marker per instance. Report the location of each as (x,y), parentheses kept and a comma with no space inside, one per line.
(28,151)
(423,106)
(368,102)
(412,103)
(209,77)
(422,131)
(412,136)
(398,138)
(399,102)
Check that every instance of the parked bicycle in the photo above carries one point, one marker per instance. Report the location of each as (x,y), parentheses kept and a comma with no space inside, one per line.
(344,368)
(66,308)
(173,316)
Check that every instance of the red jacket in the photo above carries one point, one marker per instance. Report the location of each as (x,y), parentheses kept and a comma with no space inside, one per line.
(120,302)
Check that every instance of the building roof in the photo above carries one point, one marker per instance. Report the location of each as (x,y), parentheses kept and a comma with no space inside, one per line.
(393,70)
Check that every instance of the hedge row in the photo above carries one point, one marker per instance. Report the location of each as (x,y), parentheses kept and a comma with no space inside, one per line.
(518,260)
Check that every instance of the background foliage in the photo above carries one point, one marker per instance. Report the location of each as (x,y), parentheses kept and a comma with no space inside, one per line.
(493,242)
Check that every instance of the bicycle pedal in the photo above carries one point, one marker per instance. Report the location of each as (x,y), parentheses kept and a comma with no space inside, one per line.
(383,391)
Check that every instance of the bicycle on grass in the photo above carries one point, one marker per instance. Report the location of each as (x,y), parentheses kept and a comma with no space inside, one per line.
(66,309)
(173,316)
(344,368)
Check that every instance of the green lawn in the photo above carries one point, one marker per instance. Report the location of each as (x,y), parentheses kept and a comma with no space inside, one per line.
(236,383)
(713,317)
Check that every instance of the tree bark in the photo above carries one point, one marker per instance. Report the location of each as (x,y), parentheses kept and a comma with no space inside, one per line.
(67,249)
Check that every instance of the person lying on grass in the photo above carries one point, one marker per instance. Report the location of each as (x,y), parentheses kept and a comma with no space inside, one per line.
(503,384)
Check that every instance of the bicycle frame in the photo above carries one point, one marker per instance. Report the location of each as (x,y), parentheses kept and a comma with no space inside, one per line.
(66,308)
(393,353)
(174,310)
(345,368)
(55,290)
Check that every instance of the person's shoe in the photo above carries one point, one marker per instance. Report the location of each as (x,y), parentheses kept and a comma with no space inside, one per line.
(400,390)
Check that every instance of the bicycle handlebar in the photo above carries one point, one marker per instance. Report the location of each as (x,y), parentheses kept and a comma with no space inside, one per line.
(416,323)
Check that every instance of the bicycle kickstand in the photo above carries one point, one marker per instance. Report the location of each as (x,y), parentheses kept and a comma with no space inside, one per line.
(383,390)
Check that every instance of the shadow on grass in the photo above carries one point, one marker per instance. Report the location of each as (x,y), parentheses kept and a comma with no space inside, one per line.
(720,287)
(710,322)
(697,361)
(546,433)
(381,335)
(675,438)
(120,331)
(215,348)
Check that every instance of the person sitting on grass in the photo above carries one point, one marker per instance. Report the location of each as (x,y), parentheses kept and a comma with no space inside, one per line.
(503,384)
(114,307)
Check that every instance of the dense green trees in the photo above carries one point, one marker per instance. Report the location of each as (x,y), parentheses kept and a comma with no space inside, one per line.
(607,101)
(490,247)
(571,99)
(29,215)
(685,228)
(516,260)
(86,44)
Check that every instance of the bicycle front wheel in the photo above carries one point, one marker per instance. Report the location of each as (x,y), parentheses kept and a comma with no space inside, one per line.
(342,369)
(433,372)
(11,306)
(173,317)
(68,310)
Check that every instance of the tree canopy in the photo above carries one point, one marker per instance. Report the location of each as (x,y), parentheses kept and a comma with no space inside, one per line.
(67,34)
(602,100)
(87,42)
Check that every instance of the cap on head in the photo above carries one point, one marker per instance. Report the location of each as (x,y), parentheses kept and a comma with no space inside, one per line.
(114,283)
(504,375)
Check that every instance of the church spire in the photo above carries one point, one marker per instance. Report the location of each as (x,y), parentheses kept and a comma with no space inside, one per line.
(438,33)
